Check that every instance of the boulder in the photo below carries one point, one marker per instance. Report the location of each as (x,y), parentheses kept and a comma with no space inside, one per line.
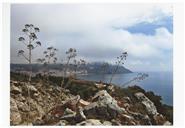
(150,107)
(103,107)
(90,122)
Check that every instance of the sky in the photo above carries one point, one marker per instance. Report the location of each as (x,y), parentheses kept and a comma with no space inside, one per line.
(100,32)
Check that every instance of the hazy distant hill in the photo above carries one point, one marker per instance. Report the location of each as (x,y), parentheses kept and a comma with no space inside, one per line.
(90,68)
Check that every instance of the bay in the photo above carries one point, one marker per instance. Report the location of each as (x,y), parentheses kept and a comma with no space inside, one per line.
(161,83)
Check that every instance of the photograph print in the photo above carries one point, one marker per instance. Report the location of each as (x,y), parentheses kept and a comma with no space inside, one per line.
(91,64)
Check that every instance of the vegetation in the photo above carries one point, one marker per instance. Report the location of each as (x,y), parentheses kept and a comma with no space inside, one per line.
(120,60)
(71,53)
(138,78)
(49,58)
(30,41)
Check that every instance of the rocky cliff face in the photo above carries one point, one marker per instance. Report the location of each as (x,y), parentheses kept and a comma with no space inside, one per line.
(38,104)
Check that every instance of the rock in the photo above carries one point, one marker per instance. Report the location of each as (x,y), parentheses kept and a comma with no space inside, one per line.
(15,90)
(15,117)
(62,123)
(68,111)
(126,106)
(144,119)
(70,117)
(127,117)
(62,111)
(13,82)
(103,107)
(74,117)
(150,107)
(111,88)
(73,100)
(107,123)
(20,98)
(116,122)
(159,119)
(35,109)
(80,114)
(127,99)
(32,89)
(90,122)
(53,105)
(167,123)
(38,122)
(100,85)
(22,106)
(83,102)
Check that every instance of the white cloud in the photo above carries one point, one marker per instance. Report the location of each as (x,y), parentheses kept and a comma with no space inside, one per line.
(89,28)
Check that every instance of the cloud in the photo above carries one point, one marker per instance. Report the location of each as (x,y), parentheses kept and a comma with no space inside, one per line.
(93,29)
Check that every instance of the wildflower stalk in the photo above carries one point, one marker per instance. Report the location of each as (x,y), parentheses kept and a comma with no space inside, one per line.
(30,41)
(120,60)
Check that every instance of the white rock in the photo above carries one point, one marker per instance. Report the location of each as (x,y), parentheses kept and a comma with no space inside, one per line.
(151,109)
(167,123)
(104,106)
(90,122)
(107,123)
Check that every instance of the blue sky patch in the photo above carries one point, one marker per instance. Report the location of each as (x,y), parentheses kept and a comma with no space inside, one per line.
(149,28)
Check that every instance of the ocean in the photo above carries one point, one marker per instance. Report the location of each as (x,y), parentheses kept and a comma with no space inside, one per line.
(161,83)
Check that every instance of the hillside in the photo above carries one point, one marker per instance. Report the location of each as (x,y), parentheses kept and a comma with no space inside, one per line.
(80,102)
(89,68)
